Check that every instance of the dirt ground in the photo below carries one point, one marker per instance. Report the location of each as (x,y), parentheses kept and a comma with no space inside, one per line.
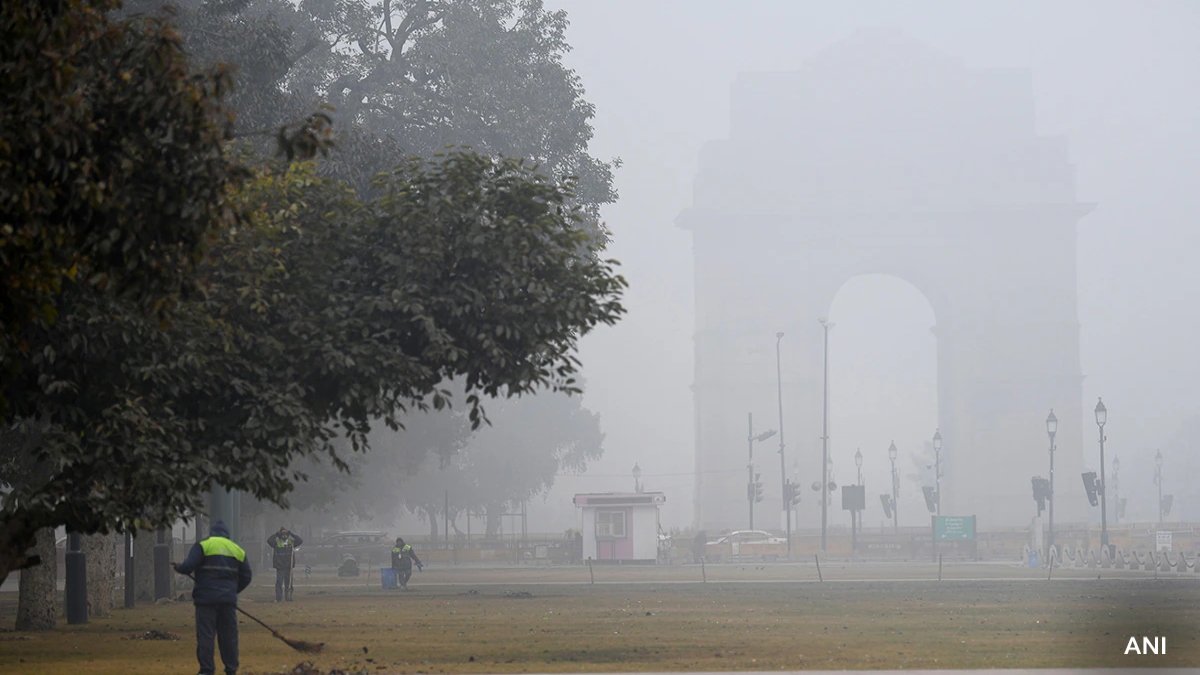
(746,617)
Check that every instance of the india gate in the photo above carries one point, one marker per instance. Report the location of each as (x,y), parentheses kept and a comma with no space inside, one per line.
(882,155)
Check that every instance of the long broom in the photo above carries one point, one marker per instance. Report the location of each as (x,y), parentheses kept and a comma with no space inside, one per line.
(298,645)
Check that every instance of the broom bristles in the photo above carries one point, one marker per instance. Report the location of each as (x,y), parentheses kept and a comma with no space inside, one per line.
(301,645)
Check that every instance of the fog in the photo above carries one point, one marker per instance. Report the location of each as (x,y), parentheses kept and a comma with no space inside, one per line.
(1114,78)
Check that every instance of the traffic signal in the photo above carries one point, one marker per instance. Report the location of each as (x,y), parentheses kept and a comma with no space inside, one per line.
(1041,492)
(758,488)
(1089,484)
(930,498)
(887,505)
(1166,504)
(791,493)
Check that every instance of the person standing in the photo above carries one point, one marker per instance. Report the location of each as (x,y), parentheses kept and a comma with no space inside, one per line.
(403,557)
(219,567)
(283,558)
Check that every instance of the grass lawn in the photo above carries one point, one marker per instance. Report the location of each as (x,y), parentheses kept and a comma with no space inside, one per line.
(747,617)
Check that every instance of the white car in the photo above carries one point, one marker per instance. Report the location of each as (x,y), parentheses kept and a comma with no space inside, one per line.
(746,545)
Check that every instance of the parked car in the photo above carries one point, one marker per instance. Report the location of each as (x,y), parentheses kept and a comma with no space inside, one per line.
(746,545)
(367,547)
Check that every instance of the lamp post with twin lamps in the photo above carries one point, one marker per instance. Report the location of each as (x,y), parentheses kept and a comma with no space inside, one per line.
(1051,430)
(1101,420)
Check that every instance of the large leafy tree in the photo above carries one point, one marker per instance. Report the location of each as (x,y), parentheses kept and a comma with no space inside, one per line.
(531,440)
(321,315)
(407,77)
(112,171)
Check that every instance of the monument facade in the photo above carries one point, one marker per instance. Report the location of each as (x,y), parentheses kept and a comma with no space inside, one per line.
(881,155)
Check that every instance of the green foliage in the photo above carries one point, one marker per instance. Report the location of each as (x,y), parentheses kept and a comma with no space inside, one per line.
(529,442)
(407,77)
(111,162)
(320,314)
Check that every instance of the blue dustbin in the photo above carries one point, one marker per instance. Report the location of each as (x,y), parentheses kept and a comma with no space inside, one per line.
(388,575)
(1033,560)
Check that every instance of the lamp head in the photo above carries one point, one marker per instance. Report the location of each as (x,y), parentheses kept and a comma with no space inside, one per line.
(637,471)
(1116,463)
(1158,459)
(779,335)
(1101,413)
(892,452)
(858,458)
(937,440)
(1051,424)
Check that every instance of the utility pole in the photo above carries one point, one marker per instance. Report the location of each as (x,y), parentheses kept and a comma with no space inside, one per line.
(825,440)
(787,507)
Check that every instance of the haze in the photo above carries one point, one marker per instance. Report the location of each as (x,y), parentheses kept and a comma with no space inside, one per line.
(1115,78)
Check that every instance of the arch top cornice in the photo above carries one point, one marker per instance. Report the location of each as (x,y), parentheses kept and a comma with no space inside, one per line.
(885,219)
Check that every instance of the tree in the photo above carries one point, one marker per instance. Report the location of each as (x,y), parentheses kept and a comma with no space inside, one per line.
(530,441)
(112,170)
(320,315)
(407,77)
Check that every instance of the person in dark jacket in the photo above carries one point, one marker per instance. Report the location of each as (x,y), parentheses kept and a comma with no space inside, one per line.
(403,557)
(283,558)
(221,572)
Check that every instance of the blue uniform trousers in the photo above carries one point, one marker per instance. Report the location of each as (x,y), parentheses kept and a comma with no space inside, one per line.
(219,621)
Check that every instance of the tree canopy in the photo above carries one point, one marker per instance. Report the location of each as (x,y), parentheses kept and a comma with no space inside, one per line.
(181,314)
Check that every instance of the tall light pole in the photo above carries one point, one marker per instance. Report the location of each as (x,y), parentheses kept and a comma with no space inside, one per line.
(892,452)
(856,514)
(1158,459)
(825,438)
(751,484)
(1051,430)
(1101,420)
(787,506)
(1117,489)
(937,469)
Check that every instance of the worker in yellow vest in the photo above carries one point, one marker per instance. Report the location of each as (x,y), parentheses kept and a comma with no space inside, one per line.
(403,557)
(221,571)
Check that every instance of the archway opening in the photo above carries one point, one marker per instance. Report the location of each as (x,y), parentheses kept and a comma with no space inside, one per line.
(883,388)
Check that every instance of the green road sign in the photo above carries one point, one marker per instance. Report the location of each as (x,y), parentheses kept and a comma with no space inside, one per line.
(953,528)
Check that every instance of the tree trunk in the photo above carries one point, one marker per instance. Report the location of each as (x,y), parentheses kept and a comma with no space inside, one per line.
(492,520)
(37,604)
(143,563)
(433,524)
(101,552)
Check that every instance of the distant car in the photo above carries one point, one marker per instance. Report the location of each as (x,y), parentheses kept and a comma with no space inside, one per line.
(746,545)
(367,547)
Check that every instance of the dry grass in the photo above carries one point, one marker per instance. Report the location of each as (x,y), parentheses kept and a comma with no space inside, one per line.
(469,621)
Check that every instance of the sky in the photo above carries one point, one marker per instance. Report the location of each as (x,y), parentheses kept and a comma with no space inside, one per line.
(1116,78)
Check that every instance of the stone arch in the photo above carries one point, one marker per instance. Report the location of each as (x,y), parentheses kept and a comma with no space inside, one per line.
(881,155)
(883,325)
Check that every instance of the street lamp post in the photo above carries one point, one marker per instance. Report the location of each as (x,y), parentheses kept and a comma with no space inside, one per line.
(825,325)
(1158,461)
(1051,431)
(637,477)
(751,484)
(1101,420)
(856,514)
(787,507)
(892,452)
(937,470)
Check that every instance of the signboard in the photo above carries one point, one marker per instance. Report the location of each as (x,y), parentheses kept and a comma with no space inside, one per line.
(1162,541)
(854,498)
(953,528)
